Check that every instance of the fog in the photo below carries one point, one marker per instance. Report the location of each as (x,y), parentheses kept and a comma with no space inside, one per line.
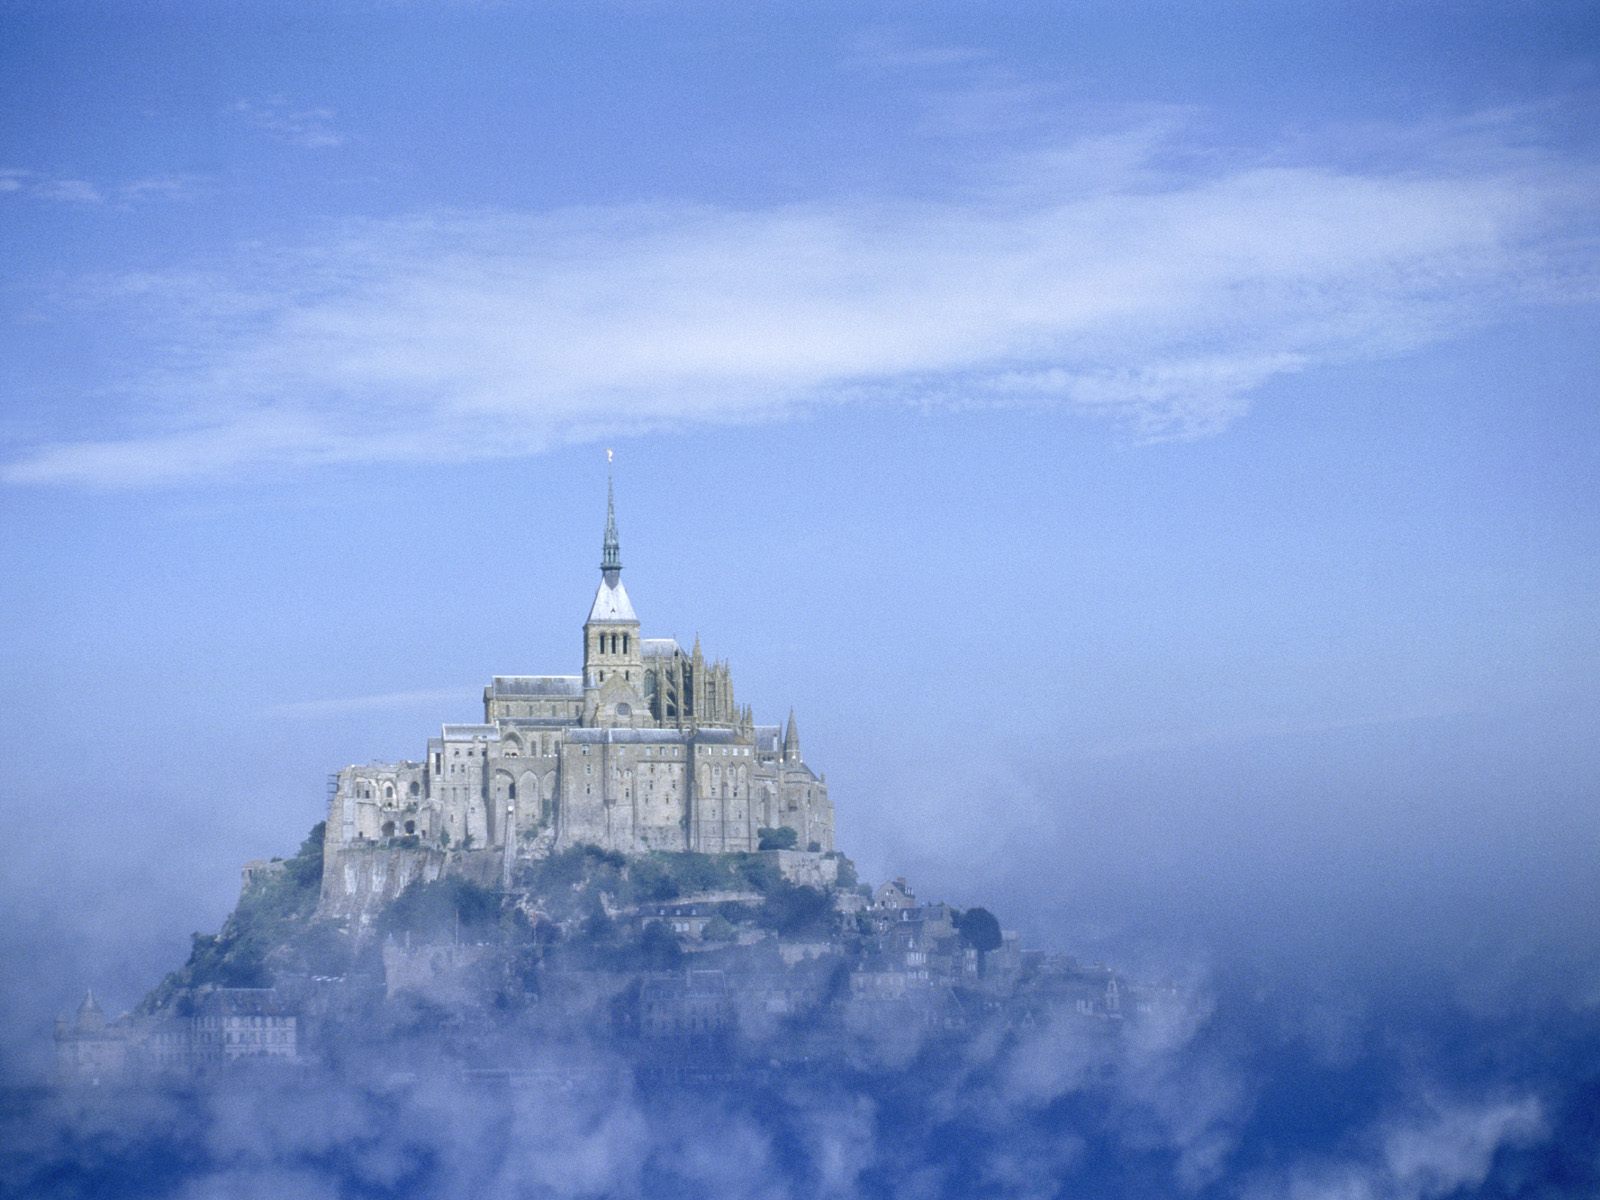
(1391,989)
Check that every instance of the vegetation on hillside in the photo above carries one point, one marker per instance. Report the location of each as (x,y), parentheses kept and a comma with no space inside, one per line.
(565,902)
(271,927)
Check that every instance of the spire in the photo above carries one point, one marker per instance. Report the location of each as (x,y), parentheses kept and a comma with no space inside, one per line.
(611,551)
(791,741)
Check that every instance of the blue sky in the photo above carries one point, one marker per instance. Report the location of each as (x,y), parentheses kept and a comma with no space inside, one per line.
(1152,446)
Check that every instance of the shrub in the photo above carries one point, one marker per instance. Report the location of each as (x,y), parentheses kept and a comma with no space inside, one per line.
(781,838)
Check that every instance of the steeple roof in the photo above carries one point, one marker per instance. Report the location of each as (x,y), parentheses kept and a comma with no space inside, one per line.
(611,549)
(611,604)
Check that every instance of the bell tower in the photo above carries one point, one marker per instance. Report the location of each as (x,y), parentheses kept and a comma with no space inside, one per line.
(613,663)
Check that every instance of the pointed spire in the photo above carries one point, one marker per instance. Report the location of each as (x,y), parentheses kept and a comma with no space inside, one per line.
(611,550)
(791,740)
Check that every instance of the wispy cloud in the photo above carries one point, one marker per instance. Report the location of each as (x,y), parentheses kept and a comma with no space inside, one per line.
(381,702)
(312,128)
(1098,277)
(38,185)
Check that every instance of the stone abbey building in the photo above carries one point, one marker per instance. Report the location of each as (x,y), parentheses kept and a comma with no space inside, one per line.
(645,750)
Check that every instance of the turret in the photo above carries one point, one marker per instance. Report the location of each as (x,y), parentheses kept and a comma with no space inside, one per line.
(791,741)
(90,1018)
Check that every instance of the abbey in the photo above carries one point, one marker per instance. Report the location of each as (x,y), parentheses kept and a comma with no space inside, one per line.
(645,750)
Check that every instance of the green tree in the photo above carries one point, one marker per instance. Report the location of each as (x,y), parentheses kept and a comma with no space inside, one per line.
(658,948)
(442,909)
(781,838)
(792,909)
(980,930)
(847,875)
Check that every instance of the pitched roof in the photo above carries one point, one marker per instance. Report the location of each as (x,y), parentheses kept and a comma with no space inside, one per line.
(611,604)
(537,685)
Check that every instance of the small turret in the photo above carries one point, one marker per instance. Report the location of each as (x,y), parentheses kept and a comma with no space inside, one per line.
(791,741)
(90,1017)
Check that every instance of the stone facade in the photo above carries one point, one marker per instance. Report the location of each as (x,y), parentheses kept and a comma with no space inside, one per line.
(646,749)
(223,1026)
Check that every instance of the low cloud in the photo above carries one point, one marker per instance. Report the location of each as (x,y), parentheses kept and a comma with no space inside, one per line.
(1099,278)
(1446,1149)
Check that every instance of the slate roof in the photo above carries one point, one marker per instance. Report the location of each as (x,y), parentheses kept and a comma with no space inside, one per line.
(611,604)
(466,733)
(561,686)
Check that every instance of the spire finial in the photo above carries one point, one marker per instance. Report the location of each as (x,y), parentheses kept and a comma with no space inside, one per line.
(611,551)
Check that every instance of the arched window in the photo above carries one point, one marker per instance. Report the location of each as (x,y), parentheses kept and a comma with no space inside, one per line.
(625,643)
(511,791)
(411,826)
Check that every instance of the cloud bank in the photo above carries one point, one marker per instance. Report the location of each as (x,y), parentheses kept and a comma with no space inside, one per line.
(1109,277)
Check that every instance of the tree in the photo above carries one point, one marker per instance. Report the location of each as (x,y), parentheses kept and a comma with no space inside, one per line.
(781,838)
(442,909)
(979,929)
(794,910)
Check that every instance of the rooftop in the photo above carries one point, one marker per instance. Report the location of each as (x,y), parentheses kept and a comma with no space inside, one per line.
(537,685)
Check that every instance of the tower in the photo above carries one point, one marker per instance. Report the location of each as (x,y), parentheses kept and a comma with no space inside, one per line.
(613,663)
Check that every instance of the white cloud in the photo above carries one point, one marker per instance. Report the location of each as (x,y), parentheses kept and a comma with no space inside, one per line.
(39,186)
(311,128)
(1092,278)
(73,191)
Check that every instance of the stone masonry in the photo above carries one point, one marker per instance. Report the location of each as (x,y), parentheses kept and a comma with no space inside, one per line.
(645,750)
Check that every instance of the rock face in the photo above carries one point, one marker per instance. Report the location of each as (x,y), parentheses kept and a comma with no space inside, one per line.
(645,750)
(366,878)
